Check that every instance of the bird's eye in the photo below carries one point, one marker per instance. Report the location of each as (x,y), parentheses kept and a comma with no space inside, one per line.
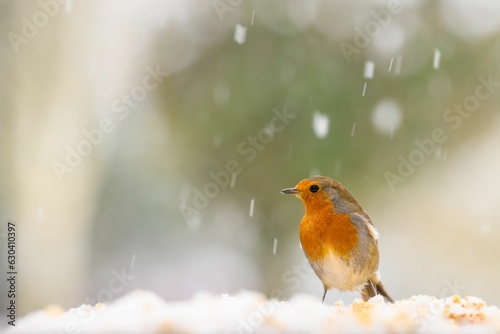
(314,188)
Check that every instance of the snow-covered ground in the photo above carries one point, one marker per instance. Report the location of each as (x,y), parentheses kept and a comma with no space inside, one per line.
(251,312)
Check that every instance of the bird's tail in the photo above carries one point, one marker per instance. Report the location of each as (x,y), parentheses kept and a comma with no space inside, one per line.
(374,287)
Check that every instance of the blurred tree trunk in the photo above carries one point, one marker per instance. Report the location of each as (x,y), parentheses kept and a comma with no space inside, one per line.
(55,94)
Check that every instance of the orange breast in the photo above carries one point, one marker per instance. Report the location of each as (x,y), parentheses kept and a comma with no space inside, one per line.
(324,231)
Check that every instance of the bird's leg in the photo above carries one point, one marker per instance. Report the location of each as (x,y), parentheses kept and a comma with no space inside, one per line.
(373,287)
(324,295)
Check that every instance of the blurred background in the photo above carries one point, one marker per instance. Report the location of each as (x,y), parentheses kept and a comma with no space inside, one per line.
(144,144)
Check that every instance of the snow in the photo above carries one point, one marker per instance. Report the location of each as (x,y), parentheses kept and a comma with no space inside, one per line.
(252,202)
(321,124)
(353,129)
(470,19)
(390,64)
(369,69)
(240,34)
(253,312)
(132,263)
(233,180)
(390,40)
(275,246)
(253,16)
(364,89)
(387,117)
(437,58)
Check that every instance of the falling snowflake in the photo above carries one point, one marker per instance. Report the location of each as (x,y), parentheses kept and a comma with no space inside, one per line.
(387,117)
(437,59)
(252,202)
(369,69)
(321,124)
(240,34)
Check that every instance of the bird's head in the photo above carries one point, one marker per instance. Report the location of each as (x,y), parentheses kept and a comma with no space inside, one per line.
(319,192)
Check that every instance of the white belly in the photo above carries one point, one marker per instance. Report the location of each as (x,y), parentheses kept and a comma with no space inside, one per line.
(340,274)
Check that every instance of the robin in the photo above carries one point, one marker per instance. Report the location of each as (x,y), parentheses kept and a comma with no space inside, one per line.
(338,238)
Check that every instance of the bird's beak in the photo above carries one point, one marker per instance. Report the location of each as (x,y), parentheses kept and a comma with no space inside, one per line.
(290,191)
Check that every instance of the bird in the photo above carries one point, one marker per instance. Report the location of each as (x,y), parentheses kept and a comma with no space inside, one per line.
(338,238)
